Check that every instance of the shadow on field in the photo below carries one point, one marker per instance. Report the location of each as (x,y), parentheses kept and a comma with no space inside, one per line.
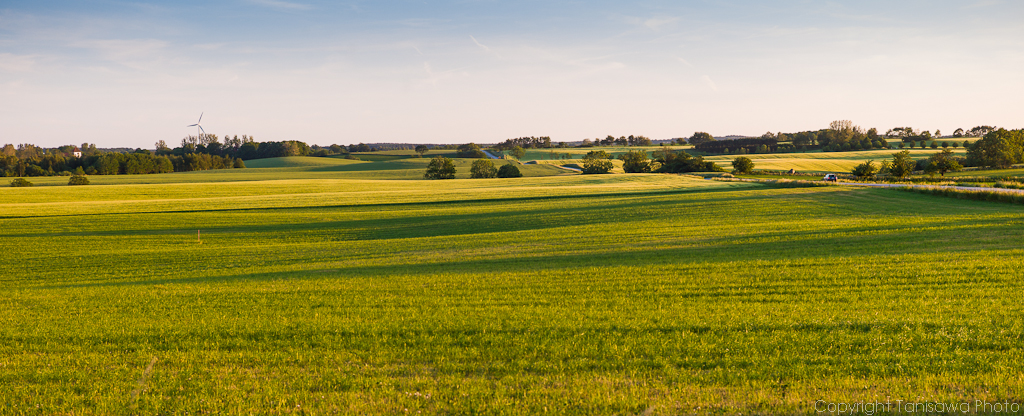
(425,204)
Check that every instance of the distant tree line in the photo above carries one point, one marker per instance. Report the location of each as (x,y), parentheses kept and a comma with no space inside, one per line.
(630,140)
(637,161)
(30,160)
(531,142)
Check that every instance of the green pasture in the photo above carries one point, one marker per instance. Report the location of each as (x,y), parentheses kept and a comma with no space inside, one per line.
(322,288)
(296,167)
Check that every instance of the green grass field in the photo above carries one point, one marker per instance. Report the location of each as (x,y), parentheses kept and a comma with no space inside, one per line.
(334,287)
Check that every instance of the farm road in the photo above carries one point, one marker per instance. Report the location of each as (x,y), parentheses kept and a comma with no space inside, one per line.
(490,155)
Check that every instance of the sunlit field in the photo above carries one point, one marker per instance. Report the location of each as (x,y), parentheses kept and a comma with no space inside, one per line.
(333,286)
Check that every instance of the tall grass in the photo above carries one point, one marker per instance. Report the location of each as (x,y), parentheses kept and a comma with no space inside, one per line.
(581,294)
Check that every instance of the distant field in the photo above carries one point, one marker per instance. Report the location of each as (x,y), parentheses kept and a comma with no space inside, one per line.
(814,161)
(296,167)
(319,287)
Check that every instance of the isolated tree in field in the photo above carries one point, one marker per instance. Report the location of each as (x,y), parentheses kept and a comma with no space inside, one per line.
(596,162)
(958,133)
(518,152)
(422,149)
(943,162)
(742,165)
(20,183)
(902,165)
(78,180)
(483,168)
(945,145)
(701,137)
(440,168)
(636,161)
(865,170)
(509,171)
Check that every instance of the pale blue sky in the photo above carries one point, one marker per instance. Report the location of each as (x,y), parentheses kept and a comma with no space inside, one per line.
(131,73)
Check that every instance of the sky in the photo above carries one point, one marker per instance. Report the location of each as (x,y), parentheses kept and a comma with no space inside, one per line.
(126,74)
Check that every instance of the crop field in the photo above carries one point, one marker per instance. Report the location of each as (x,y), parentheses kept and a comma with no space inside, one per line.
(338,288)
(814,161)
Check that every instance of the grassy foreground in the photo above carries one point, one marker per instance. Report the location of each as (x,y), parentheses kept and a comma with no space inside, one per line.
(616,294)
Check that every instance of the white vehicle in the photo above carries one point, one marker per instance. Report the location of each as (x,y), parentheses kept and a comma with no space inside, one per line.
(831,177)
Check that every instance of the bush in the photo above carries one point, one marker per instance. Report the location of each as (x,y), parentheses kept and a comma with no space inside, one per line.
(596,162)
(483,168)
(902,165)
(742,165)
(78,180)
(509,171)
(239,164)
(597,166)
(440,168)
(636,162)
(865,170)
(20,183)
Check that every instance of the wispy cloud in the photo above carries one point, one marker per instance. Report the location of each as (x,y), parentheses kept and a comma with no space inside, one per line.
(123,50)
(484,47)
(281,4)
(16,63)
(685,62)
(707,81)
(653,23)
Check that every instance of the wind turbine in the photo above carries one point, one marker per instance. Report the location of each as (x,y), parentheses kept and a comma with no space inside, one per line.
(199,128)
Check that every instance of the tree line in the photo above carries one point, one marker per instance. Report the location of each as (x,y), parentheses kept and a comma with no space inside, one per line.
(30,160)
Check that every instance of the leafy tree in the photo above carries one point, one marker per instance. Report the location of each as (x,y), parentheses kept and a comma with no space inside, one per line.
(248,151)
(636,162)
(902,165)
(742,165)
(518,152)
(958,133)
(945,145)
(682,162)
(422,149)
(440,168)
(805,138)
(239,164)
(956,145)
(943,162)
(596,162)
(592,166)
(470,150)
(20,183)
(980,131)
(1000,148)
(865,170)
(701,137)
(935,145)
(483,168)
(78,180)
(509,171)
